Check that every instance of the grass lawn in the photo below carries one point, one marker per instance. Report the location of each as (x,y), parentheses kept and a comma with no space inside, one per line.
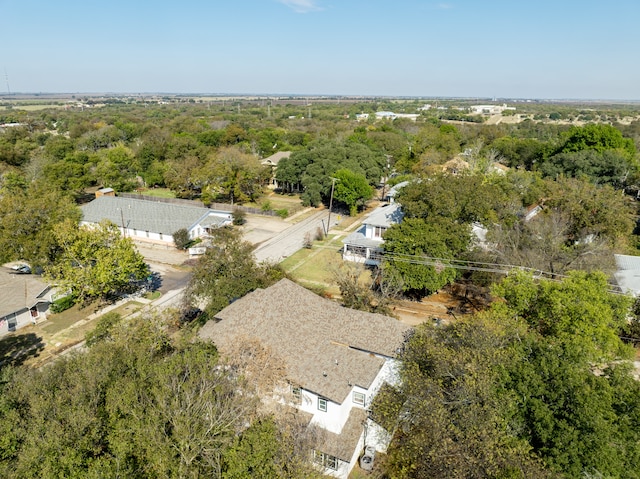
(59,321)
(314,267)
(158,192)
(277,201)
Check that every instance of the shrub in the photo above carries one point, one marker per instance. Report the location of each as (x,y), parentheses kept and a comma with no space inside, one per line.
(307,242)
(282,213)
(266,205)
(62,304)
(181,239)
(239,217)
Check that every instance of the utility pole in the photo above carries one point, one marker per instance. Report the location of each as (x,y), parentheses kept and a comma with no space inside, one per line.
(124,231)
(333,184)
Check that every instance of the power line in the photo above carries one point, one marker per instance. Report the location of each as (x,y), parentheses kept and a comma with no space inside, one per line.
(500,268)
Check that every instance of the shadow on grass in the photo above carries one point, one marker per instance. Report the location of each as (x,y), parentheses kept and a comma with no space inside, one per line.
(15,350)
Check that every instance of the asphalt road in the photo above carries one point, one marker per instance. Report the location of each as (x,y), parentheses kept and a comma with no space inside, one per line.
(287,242)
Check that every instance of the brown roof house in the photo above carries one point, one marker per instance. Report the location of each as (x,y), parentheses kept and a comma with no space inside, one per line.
(335,358)
(24,299)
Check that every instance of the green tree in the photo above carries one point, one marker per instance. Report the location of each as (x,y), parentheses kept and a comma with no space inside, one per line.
(598,137)
(418,251)
(139,405)
(352,189)
(227,271)
(537,386)
(28,219)
(95,262)
(181,238)
(233,176)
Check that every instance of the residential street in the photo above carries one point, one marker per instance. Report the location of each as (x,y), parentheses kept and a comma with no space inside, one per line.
(291,240)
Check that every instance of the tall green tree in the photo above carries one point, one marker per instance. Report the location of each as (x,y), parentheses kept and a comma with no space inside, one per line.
(28,220)
(95,262)
(227,271)
(352,189)
(418,252)
(537,386)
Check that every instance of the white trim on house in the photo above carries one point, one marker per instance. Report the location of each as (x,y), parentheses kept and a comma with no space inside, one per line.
(365,244)
(152,221)
(331,354)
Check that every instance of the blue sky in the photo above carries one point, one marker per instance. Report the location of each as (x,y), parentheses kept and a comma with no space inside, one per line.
(469,48)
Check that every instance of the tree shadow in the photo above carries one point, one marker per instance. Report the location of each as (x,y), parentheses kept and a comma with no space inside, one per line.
(16,349)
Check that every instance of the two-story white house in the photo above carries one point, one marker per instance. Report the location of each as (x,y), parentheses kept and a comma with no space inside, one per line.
(365,244)
(335,358)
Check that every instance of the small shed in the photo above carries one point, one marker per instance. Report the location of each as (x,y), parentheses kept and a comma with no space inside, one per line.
(105,192)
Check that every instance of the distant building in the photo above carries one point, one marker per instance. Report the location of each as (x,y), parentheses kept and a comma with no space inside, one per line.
(153,221)
(489,109)
(273,161)
(389,115)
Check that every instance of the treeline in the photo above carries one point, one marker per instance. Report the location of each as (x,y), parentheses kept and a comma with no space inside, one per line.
(539,386)
(140,403)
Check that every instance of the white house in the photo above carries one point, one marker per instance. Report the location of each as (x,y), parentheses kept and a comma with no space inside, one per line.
(335,358)
(489,109)
(390,197)
(24,299)
(627,273)
(272,162)
(153,221)
(365,244)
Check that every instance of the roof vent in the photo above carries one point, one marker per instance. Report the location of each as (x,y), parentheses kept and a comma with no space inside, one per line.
(336,362)
(324,373)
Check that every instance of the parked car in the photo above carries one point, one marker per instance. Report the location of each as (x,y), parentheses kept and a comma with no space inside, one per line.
(21,269)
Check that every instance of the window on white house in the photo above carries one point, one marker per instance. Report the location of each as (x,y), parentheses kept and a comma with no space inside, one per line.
(378,231)
(296,392)
(322,404)
(358,398)
(325,460)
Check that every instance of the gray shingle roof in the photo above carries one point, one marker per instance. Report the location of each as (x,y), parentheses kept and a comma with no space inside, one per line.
(342,445)
(19,291)
(325,346)
(385,216)
(276,157)
(358,238)
(145,215)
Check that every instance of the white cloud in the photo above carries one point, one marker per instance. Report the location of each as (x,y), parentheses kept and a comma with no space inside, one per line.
(302,6)
(444,6)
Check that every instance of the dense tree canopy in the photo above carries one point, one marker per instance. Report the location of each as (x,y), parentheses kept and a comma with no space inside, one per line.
(95,262)
(139,404)
(532,388)
(418,251)
(311,170)
(29,218)
(227,271)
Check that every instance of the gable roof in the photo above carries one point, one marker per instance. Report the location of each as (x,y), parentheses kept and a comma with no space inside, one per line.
(385,216)
(19,291)
(145,215)
(327,348)
(275,158)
